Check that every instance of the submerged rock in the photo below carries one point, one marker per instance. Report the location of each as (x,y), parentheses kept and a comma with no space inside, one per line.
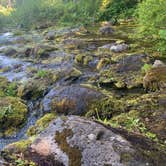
(75,141)
(70,100)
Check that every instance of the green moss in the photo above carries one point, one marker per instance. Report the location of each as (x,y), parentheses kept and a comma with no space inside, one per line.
(155,79)
(83,59)
(106,108)
(132,122)
(7,88)
(12,113)
(73,153)
(41,124)
(22,162)
(146,68)
(36,87)
(20,146)
(63,106)
(102,63)
(41,73)
(3,85)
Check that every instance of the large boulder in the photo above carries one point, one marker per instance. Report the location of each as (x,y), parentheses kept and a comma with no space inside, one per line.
(70,99)
(75,141)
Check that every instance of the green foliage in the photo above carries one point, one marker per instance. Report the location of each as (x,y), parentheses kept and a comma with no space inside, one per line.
(146,68)
(11,89)
(5,111)
(152,21)
(41,124)
(118,9)
(21,162)
(27,12)
(31,12)
(130,121)
(41,73)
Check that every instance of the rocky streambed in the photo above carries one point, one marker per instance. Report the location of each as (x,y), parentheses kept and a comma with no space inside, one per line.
(89,96)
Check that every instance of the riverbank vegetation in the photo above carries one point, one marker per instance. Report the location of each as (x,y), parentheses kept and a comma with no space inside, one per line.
(149,15)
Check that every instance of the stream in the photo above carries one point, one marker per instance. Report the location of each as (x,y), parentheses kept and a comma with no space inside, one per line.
(15,69)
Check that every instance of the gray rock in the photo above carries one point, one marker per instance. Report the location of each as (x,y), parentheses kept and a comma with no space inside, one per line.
(158,63)
(131,63)
(68,141)
(106,30)
(119,48)
(50,35)
(105,47)
(70,99)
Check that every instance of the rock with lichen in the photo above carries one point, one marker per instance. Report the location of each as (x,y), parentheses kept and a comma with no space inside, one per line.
(77,141)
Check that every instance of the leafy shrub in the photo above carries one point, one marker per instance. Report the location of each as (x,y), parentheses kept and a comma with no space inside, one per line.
(5,16)
(27,12)
(31,12)
(114,9)
(152,21)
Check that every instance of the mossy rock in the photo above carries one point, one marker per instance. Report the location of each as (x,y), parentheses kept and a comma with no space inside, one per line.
(7,88)
(41,124)
(37,86)
(40,51)
(103,63)
(3,85)
(155,79)
(12,113)
(106,108)
(83,59)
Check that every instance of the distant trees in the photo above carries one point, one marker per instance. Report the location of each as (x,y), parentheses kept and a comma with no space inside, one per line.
(7,3)
(152,21)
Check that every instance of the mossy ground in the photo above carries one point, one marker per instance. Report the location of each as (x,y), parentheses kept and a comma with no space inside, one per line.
(13,114)
(41,124)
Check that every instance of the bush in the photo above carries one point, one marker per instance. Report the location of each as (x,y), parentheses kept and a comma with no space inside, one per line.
(27,12)
(152,21)
(31,12)
(114,9)
(5,16)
